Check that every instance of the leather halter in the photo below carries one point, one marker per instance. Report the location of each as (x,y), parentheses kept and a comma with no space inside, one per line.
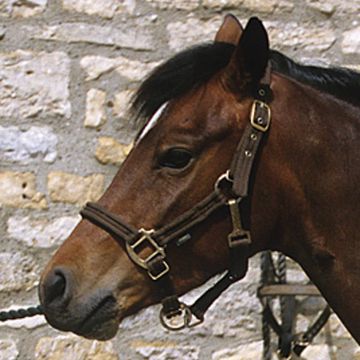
(229,190)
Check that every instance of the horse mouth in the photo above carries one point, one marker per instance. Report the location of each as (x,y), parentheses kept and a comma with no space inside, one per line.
(101,322)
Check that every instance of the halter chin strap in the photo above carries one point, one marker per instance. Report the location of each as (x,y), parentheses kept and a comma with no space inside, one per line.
(146,248)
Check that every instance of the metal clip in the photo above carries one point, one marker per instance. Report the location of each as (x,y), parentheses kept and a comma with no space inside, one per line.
(225,177)
(176,320)
(238,236)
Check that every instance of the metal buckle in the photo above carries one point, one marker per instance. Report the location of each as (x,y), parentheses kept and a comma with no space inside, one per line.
(143,262)
(179,319)
(256,119)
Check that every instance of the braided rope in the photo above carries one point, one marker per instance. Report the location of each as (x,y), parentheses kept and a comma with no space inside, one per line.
(21,313)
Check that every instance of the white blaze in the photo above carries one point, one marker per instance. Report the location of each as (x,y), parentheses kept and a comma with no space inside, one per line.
(152,121)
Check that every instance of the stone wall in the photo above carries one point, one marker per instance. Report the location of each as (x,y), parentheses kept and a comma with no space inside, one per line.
(67,68)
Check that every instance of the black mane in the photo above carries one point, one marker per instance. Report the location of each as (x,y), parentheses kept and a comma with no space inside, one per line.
(193,67)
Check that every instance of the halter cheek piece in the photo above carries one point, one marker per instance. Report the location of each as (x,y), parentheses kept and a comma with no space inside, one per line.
(229,190)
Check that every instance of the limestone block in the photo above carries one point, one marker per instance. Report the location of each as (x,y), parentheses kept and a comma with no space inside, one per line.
(19,190)
(175,4)
(73,347)
(95,112)
(122,103)
(41,232)
(351,41)
(191,31)
(125,37)
(159,350)
(26,146)
(337,328)
(222,4)
(18,272)
(34,84)
(318,352)
(268,6)
(104,8)
(260,5)
(109,151)
(8,350)
(75,189)
(95,66)
(22,8)
(327,7)
(292,35)
(26,323)
(2,31)
(251,351)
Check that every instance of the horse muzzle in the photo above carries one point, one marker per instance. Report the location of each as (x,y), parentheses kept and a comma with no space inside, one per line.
(94,316)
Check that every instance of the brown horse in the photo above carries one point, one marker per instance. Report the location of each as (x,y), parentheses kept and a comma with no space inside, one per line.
(303,187)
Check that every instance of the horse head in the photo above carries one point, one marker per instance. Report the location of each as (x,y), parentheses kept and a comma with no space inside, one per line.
(163,225)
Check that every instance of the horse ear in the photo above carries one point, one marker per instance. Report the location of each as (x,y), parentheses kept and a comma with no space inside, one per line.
(230,30)
(252,53)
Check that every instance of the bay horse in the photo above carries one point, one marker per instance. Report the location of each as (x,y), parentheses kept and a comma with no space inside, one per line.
(242,141)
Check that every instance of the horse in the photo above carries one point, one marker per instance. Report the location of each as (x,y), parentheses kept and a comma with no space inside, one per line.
(239,150)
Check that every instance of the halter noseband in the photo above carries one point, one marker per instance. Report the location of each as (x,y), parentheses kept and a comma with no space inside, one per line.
(229,190)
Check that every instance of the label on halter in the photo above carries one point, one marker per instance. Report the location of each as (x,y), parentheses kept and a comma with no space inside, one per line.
(151,123)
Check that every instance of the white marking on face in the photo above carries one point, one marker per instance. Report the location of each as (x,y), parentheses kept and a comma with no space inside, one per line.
(152,121)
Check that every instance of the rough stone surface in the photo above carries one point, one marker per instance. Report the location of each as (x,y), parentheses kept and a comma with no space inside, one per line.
(18,272)
(95,112)
(71,347)
(8,350)
(19,190)
(222,4)
(175,4)
(22,8)
(96,66)
(34,84)
(269,6)
(318,352)
(25,146)
(324,6)
(137,39)
(252,351)
(74,189)
(160,350)
(110,151)
(201,31)
(103,8)
(295,36)
(41,232)
(2,31)
(351,41)
(121,103)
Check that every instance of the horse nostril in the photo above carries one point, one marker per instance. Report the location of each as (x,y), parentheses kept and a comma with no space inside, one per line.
(56,287)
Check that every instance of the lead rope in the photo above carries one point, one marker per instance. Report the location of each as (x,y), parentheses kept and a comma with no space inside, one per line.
(21,313)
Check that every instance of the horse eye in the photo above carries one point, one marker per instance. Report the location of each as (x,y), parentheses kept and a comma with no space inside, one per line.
(175,158)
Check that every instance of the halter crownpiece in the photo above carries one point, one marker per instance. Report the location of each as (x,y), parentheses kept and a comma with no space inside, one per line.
(229,190)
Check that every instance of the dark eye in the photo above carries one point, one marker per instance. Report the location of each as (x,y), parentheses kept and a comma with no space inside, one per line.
(175,158)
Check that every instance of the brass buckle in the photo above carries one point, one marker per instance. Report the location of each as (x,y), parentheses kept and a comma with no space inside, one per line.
(256,119)
(143,262)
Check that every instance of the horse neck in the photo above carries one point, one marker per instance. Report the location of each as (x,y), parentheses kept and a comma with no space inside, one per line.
(312,162)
